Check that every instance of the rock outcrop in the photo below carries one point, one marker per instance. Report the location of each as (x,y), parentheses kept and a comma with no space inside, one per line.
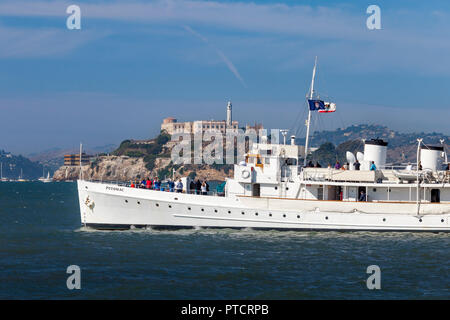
(124,168)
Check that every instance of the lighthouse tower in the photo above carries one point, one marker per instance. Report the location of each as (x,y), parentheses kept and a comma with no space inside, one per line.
(229,120)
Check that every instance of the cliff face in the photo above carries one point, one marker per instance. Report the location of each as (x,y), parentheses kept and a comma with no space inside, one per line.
(138,159)
(121,168)
(124,168)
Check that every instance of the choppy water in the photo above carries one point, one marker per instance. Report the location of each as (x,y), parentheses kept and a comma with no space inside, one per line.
(40,236)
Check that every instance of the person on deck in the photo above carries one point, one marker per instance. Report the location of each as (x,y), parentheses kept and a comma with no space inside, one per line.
(362,196)
(171,186)
(132,184)
(198,186)
(157,184)
(373,167)
(192,187)
(148,183)
(179,186)
(203,188)
(337,165)
(357,165)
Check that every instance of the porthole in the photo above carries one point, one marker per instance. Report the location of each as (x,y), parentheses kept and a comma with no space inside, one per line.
(420,220)
(157,205)
(276,188)
(170,206)
(229,211)
(442,220)
(215,210)
(287,188)
(298,217)
(384,219)
(138,202)
(203,209)
(284,216)
(374,189)
(126,201)
(256,213)
(270,214)
(326,218)
(189,208)
(243,212)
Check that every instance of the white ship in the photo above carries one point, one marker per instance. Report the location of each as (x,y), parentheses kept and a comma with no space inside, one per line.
(270,190)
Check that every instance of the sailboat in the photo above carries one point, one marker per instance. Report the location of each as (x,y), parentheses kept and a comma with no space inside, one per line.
(1,173)
(21,179)
(47,179)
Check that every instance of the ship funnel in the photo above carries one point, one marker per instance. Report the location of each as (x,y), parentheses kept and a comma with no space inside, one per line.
(431,157)
(293,140)
(375,150)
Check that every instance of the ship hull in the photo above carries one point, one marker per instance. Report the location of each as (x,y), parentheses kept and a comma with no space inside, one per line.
(108,206)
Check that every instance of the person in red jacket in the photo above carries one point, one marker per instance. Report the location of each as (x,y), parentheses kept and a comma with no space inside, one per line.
(148,184)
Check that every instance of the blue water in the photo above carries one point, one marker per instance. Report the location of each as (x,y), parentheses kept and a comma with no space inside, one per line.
(40,236)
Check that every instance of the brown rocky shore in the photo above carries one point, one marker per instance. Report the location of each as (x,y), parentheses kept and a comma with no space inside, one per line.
(124,168)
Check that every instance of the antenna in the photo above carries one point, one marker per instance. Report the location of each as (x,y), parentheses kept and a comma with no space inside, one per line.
(417,171)
(284,133)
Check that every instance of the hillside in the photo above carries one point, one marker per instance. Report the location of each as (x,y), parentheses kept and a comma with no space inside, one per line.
(12,165)
(140,159)
(53,158)
(366,131)
(402,147)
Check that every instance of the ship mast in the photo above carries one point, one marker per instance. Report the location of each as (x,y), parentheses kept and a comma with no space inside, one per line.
(308,122)
(81,154)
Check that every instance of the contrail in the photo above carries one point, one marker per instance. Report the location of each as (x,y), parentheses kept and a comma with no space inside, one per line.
(222,56)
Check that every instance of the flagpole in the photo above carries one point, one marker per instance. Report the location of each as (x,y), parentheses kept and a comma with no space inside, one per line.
(81,169)
(308,122)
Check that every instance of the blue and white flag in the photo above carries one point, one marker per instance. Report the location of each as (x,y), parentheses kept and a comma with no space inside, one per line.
(316,105)
(321,106)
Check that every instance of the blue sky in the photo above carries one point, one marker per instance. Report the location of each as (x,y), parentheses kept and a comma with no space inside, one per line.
(135,62)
